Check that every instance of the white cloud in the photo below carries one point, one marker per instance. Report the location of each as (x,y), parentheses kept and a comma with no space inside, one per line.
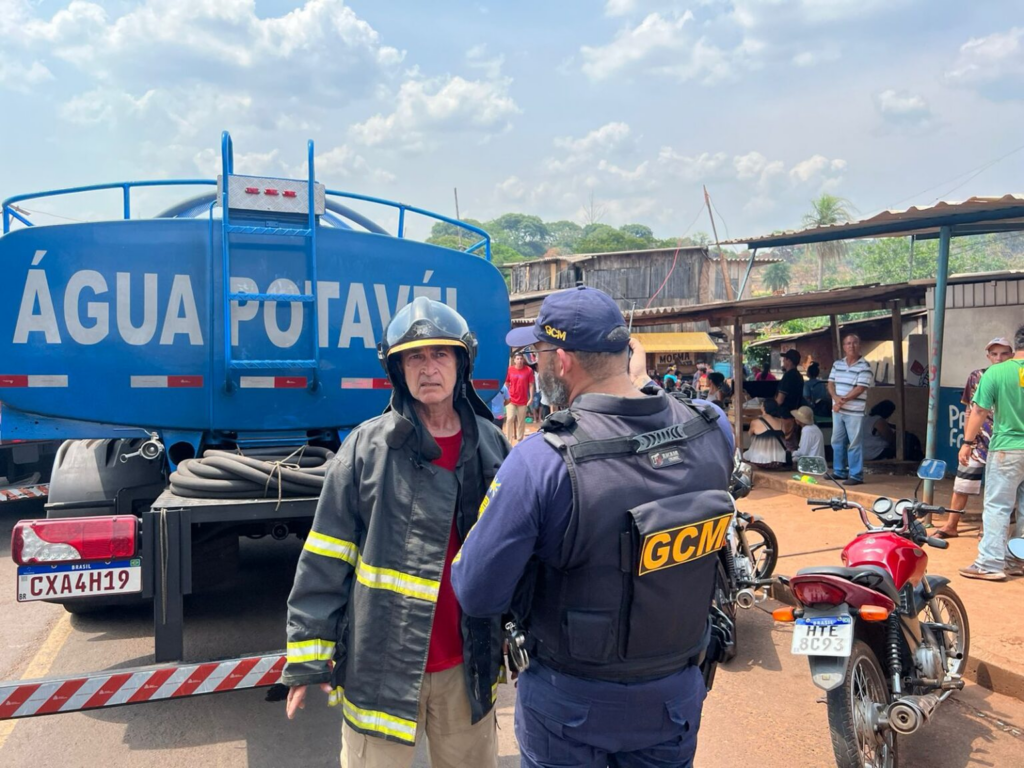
(619,7)
(477,58)
(105,106)
(702,167)
(985,60)
(812,58)
(818,171)
(603,139)
(754,165)
(343,162)
(450,104)
(903,108)
(512,189)
(15,76)
(654,35)
(208,161)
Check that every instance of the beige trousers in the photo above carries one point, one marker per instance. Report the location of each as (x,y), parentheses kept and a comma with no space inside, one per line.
(515,422)
(445,715)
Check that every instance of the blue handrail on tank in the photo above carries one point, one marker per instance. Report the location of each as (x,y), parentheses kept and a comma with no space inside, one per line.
(227,167)
(125,186)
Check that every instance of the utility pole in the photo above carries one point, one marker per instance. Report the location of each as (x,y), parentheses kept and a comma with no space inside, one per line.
(721,256)
(458,230)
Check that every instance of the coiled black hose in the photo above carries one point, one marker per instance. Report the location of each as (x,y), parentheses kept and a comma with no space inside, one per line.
(260,473)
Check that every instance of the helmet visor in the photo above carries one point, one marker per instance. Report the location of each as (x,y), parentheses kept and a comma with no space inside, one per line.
(425,323)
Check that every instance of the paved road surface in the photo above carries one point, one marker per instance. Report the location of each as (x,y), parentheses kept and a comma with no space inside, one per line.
(762,710)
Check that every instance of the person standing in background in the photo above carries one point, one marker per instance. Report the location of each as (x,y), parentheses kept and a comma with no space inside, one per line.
(520,383)
(848,383)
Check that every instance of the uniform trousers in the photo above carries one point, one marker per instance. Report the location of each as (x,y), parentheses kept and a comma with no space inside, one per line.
(570,722)
(444,714)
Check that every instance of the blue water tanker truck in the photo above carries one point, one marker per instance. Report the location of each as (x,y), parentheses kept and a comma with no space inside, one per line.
(238,327)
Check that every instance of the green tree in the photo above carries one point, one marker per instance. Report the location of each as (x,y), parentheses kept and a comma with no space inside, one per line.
(888,259)
(639,231)
(776,277)
(564,235)
(601,238)
(527,234)
(825,211)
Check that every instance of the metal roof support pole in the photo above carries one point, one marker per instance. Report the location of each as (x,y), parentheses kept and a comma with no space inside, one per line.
(897,364)
(935,368)
(833,334)
(737,381)
(746,275)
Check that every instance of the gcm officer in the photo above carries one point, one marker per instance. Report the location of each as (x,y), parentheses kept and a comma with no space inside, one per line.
(603,527)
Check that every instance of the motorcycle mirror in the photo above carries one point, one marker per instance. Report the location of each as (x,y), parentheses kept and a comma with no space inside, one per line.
(1016,547)
(932,469)
(812,465)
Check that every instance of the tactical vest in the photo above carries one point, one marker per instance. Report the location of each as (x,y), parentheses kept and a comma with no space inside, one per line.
(631,595)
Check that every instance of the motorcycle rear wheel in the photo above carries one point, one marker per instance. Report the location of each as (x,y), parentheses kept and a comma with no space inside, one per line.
(853,712)
(723,599)
(764,548)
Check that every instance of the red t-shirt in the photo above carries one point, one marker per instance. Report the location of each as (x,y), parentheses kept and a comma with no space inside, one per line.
(519,381)
(445,649)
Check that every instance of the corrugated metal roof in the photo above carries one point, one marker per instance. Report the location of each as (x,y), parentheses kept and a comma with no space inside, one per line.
(694,341)
(974,216)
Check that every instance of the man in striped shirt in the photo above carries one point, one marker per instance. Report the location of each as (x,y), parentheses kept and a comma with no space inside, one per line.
(848,385)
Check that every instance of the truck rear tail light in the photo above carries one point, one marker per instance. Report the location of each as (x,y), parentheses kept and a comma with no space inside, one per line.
(818,593)
(74,539)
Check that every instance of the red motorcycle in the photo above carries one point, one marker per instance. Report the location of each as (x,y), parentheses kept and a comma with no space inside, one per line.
(885,639)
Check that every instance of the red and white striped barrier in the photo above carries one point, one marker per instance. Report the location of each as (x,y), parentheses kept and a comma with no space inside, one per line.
(17,381)
(272,382)
(166,382)
(31,698)
(355,383)
(24,492)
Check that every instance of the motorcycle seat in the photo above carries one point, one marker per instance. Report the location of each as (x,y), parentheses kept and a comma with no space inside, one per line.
(870,576)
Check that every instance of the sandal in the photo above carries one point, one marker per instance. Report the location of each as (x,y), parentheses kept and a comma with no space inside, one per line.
(941,534)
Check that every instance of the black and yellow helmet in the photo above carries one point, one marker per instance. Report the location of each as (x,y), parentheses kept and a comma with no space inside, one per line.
(425,323)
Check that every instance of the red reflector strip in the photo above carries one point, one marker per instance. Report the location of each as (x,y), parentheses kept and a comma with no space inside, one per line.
(486,384)
(365,384)
(105,689)
(166,382)
(16,380)
(252,190)
(273,382)
(271,192)
(289,193)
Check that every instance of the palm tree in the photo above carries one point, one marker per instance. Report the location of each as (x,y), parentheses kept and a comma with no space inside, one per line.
(776,277)
(825,211)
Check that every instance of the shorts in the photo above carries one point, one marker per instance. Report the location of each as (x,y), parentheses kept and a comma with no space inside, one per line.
(968,478)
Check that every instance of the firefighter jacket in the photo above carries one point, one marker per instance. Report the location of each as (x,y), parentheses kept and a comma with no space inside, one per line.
(629,596)
(368,577)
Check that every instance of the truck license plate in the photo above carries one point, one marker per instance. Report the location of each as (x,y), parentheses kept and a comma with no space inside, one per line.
(823,636)
(59,582)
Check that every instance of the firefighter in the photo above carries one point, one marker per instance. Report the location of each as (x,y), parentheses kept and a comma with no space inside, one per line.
(599,535)
(372,596)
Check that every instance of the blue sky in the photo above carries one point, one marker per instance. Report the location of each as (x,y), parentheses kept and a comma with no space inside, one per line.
(525,106)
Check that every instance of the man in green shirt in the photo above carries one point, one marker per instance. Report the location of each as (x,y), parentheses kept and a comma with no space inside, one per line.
(1001,394)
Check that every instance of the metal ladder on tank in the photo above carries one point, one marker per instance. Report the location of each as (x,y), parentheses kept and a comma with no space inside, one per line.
(308,236)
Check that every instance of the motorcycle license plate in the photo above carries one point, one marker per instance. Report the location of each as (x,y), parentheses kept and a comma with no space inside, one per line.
(823,635)
(49,582)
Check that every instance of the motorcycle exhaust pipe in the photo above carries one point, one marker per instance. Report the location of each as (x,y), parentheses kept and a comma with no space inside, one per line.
(908,714)
(745,598)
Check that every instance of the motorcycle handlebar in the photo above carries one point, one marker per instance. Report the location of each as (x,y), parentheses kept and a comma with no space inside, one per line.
(937,543)
(819,502)
(929,508)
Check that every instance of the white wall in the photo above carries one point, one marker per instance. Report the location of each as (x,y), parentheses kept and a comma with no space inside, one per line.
(966,334)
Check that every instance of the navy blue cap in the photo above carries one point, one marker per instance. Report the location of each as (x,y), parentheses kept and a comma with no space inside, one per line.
(581,319)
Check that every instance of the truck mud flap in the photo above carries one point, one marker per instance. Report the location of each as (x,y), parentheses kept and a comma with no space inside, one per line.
(828,672)
(138,685)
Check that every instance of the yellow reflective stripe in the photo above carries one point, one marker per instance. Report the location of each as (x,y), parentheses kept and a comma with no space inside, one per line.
(328,546)
(405,584)
(494,692)
(310,650)
(335,697)
(380,722)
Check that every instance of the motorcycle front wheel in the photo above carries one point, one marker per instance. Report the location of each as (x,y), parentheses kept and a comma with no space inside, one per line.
(947,608)
(854,710)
